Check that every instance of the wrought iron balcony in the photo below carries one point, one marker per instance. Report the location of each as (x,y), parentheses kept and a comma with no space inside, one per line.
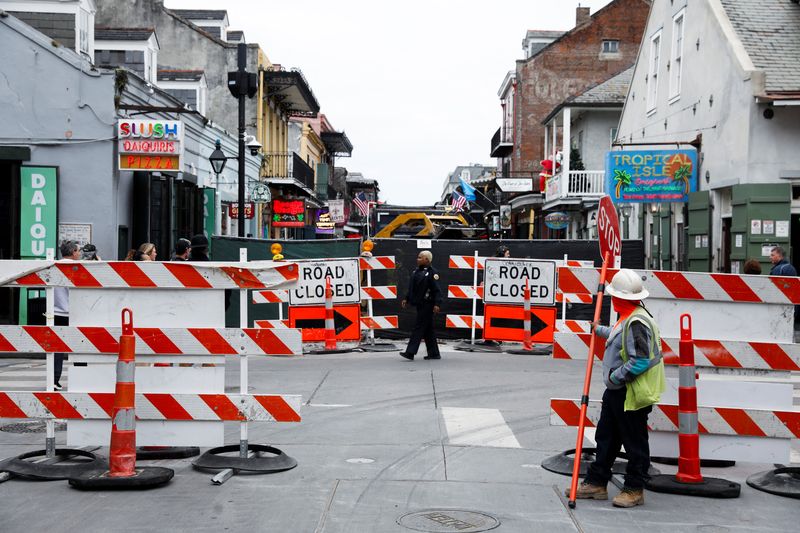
(577,184)
(502,145)
(288,165)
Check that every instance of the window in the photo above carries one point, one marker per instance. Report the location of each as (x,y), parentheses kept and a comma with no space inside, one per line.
(187,96)
(610,46)
(652,77)
(613,137)
(84,32)
(132,59)
(676,65)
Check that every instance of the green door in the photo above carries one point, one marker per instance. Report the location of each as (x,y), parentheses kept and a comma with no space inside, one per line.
(761,220)
(699,245)
(666,237)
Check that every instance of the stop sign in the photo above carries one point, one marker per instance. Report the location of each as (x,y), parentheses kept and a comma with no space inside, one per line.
(608,229)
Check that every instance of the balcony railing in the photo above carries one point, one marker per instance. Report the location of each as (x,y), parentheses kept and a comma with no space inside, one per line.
(580,183)
(502,145)
(288,165)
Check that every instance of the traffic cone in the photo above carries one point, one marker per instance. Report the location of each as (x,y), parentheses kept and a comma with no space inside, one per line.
(122,472)
(688,480)
(330,327)
(526,321)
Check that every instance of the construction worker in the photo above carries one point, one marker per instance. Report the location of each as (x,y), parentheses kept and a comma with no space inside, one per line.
(633,372)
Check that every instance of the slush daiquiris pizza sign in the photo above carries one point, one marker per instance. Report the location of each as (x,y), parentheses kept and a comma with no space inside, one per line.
(150,144)
(651,175)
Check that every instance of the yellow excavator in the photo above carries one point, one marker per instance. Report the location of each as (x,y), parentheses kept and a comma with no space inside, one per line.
(422,225)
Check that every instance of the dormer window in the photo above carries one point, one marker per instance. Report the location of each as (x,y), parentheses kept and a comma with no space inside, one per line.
(610,46)
(188,86)
(132,48)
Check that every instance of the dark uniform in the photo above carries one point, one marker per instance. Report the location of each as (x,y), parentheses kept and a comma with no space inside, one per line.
(424,293)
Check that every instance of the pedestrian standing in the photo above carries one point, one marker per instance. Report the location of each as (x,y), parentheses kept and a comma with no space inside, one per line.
(182,249)
(89,253)
(146,252)
(752,266)
(71,251)
(780,266)
(424,294)
(502,251)
(199,248)
(633,372)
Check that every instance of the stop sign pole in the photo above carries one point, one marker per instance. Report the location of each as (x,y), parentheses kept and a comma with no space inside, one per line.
(610,247)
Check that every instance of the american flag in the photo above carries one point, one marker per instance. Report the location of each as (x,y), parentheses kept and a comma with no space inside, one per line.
(458,201)
(361,202)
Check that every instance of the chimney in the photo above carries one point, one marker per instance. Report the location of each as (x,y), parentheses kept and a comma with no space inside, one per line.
(582,15)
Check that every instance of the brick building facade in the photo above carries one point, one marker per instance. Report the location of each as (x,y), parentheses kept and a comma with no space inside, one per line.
(598,47)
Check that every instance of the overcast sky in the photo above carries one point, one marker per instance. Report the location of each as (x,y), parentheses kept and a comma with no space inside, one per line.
(413,83)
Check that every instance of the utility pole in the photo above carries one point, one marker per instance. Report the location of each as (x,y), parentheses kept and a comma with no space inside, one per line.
(242,84)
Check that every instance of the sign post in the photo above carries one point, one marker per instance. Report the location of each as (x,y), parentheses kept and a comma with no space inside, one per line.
(610,246)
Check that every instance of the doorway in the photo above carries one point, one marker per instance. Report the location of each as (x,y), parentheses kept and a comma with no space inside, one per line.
(725,253)
(9,234)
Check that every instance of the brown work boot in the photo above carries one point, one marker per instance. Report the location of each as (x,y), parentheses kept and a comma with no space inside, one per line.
(629,498)
(587,491)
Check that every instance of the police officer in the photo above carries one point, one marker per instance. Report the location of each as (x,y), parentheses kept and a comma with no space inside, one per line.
(424,294)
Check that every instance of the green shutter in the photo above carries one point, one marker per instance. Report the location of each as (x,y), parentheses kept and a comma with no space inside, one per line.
(699,245)
(666,237)
(321,185)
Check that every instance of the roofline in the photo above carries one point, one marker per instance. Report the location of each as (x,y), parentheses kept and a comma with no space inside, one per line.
(509,79)
(573,105)
(576,28)
(746,66)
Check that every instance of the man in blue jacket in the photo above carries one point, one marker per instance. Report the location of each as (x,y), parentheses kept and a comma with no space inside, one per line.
(780,266)
(424,294)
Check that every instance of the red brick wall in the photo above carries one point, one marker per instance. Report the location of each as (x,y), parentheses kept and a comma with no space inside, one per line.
(569,67)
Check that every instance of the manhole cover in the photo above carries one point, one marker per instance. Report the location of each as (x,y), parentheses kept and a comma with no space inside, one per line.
(439,520)
(34,426)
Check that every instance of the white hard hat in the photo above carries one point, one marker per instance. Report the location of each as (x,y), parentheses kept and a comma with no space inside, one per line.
(627,285)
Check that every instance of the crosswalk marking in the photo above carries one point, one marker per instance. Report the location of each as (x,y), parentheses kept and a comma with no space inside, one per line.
(478,427)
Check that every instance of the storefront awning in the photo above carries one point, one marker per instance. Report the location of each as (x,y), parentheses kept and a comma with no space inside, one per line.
(292,92)
(305,192)
(337,143)
(526,200)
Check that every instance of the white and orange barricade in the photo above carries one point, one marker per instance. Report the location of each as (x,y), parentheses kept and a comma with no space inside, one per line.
(742,333)
(369,293)
(180,311)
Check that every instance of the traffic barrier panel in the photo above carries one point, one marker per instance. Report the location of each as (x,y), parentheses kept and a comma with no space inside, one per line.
(310,320)
(272,324)
(368,263)
(270,297)
(464,321)
(377,263)
(379,322)
(379,293)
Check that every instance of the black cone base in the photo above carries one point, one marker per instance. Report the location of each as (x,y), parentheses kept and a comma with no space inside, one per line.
(479,346)
(537,349)
(276,462)
(335,350)
(379,347)
(19,466)
(781,482)
(144,478)
(711,487)
(148,453)
(563,462)
(705,463)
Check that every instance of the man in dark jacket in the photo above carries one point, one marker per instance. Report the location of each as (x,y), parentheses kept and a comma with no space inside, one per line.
(424,294)
(182,249)
(780,266)
(199,248)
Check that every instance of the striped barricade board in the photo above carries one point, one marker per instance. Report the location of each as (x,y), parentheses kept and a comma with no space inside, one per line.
(388,292)
(271,297)
(774,356)
(380,322)
(152,406)
(463,321)
(148,274)
(377,263)
(150,341)
(466,262)
(463,292)
(272,323)
(726,307)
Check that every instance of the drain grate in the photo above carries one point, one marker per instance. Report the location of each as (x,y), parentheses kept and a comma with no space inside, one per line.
(444,520)
(34,426)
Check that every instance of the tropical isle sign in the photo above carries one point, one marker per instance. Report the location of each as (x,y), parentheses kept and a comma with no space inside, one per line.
(651,176)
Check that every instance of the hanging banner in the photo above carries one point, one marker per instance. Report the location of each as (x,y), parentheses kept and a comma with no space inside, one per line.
(288,213)
(324,224)
(505,216)
(209,213)
(654,176)
(336,209)
(38,211)
(249,210)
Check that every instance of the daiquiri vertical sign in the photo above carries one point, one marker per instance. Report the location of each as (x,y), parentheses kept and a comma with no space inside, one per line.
(651,176)
(38,211)
(150,144)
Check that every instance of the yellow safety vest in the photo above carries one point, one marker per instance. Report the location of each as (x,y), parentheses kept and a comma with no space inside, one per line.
(646,389)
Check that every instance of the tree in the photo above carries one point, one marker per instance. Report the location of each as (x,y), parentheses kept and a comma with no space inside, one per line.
(575,161)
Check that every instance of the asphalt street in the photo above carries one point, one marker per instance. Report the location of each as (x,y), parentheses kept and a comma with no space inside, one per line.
(381,438)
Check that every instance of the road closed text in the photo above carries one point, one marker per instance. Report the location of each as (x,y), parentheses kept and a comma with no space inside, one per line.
(506,279)
(310,289)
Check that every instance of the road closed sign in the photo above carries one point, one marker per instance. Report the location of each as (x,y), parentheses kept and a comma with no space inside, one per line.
(504,281)
(310,289)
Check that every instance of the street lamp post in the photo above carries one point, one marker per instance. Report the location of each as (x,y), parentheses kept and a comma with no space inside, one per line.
(218,160)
